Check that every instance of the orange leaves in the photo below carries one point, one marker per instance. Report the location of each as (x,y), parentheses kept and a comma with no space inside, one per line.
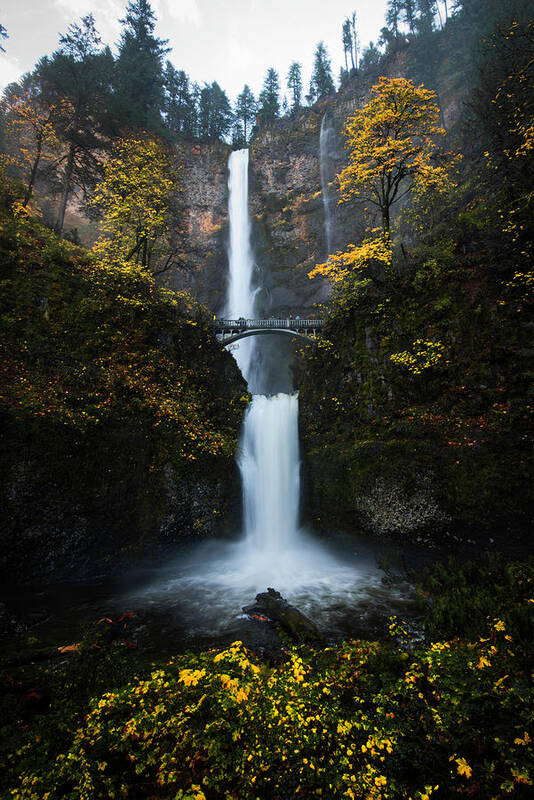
(463,767)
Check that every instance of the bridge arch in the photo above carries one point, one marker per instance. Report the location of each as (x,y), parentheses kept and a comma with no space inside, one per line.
(229,331)
(264,332)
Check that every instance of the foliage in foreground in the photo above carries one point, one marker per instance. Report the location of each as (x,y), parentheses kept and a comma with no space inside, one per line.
(363,720)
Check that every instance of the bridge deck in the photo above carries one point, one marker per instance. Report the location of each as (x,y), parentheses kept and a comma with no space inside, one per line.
(230,330)
(291,323)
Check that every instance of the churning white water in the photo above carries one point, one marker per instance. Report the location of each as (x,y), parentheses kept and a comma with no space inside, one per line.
(326,143)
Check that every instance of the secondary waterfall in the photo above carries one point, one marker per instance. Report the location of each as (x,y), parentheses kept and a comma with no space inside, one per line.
(326,143)
(269,458)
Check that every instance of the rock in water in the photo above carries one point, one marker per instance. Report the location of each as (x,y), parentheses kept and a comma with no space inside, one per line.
(271,604)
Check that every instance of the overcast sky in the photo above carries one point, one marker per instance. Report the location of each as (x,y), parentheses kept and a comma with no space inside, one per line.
(230,41)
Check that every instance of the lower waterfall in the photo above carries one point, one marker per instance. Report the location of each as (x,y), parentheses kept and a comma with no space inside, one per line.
(270,473)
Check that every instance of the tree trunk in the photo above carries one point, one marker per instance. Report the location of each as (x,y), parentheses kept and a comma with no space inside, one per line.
(33,173)
(385,219)
(66,191)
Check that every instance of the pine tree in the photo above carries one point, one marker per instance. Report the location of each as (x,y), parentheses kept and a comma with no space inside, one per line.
(139,73)
(427,13)
(409,16)
(393,16)
(370,58)
(194,116)
(215,113)
(244,112)
(321,84)
(347,43)
(355,40)
(178,102)
(238,139)
(294,84)
(78,76)
(3,35)
(269,99)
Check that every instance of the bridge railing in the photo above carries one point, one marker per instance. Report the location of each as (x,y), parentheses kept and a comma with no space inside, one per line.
(290,322)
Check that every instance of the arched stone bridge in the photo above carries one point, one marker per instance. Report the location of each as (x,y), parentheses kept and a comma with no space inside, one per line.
(231,330)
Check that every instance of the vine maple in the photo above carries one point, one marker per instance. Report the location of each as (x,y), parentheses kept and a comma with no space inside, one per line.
(135,197)
(392,143)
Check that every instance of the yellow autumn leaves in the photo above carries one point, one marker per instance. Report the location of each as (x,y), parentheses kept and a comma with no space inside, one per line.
(392,144)
(134,198)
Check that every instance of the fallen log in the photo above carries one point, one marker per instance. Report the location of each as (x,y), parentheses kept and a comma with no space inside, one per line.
(271,604)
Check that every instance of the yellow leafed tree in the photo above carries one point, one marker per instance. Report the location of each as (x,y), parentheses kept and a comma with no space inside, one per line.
(393,146)
(135,197)
(31,129)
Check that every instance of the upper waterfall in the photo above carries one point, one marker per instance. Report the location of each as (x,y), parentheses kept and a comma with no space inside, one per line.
(240,298)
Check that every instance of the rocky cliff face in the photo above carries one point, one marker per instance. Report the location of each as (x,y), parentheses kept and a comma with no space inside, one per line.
(286,200)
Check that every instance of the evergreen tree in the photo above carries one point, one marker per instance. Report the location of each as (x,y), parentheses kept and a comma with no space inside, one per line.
(321,84)
(3,35)
(194,117)
(343,76)
(294,84)
(409,15)
(393,16)
(139,73)
(427,13)
(355,40)
(178,102)
(347,43)
(78,76)
(238,139)
(244,112)
(269,99)
(370,58)
(387,39)
(215,113)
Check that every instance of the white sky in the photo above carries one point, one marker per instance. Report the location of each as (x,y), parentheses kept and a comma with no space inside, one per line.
(231,41)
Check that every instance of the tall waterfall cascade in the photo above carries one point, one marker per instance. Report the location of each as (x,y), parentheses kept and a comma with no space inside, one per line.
(326,145)
(269,456)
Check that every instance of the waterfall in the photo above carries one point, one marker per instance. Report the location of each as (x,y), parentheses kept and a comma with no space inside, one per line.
(240,300)
(326,142)
(269,455)
(208,587)
(269,464)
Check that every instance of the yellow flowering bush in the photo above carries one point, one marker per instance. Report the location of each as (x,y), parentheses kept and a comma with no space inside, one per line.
(388,721)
